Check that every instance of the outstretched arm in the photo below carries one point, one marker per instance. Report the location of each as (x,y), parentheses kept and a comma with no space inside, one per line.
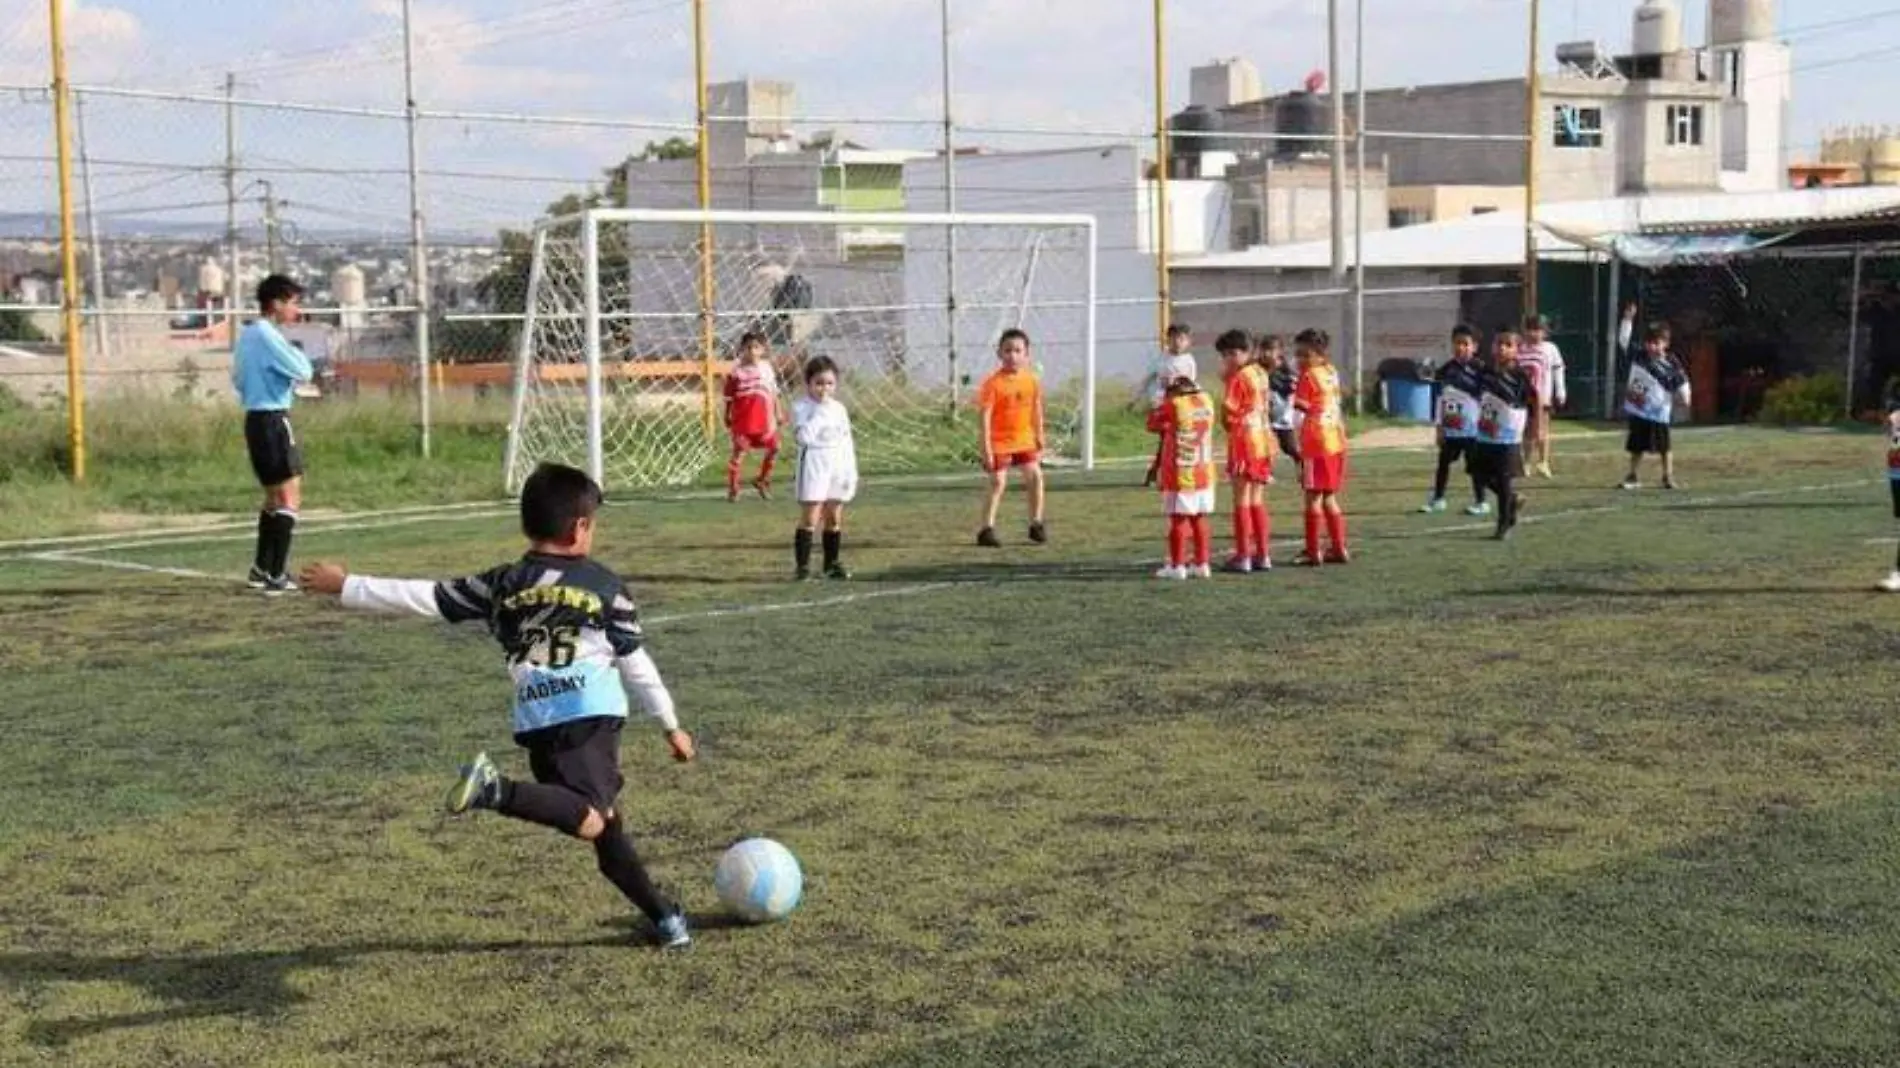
(456,601)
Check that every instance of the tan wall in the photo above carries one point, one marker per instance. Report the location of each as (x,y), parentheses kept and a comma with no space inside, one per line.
(1441,203)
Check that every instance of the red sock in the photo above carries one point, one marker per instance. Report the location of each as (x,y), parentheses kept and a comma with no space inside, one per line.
(1177,540)
(732,472)
(765,465)
(1336,530)
(1262,532)
(1203,542)
(1313,521)
(1243,531)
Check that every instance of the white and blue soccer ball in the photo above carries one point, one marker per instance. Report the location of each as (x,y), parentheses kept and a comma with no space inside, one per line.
(759,880)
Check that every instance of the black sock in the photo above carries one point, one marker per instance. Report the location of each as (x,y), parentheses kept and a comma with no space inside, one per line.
(550,806)
(1444,472)
(621,865)
(801,549)
(283,526)
(1896,561)
(266,543)
(1477,488)
(834,543)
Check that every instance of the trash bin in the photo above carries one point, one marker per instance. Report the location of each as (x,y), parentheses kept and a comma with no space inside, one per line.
(1405,390)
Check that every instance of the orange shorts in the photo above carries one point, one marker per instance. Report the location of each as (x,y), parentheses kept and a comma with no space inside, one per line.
(1323,474)
(1244,465)
(1002,461)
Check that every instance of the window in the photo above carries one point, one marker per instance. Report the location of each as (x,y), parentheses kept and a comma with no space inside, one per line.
(1684,124)
(1578,127)
(1400,217)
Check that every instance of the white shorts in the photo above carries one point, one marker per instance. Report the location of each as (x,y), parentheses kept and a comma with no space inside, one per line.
(826,475)
(1189,502)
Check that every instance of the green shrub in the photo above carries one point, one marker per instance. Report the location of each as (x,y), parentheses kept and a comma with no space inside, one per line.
(1805,400)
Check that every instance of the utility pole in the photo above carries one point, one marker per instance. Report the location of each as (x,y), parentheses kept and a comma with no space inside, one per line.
(230,212)
(1164,296)
(68,250)
(271,205)
(92,235)
(949,203)
(1532,126)
(418,247)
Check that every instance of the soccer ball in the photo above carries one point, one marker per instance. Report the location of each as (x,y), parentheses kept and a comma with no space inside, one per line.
(759,880)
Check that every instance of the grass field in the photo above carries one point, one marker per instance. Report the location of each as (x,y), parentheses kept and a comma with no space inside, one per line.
(1620,792)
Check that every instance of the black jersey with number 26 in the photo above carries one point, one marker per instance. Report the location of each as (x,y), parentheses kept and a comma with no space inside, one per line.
(562,621)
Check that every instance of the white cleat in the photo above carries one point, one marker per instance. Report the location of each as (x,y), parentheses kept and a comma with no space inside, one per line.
(1172,572)
(1892,584)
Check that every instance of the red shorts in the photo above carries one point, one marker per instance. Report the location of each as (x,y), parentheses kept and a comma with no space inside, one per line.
(1002,461)
(1323,474)
(747,442)
(1244,465)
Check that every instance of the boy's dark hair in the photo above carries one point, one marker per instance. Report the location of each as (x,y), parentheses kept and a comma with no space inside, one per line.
(818,365)
(1233,341)
(1463,331)
(1013,334)
(1270,343)
(276,289)
(1656,331)
(1503,332)
(1182,385)
(1313,338)
(1179,330)
(749,337)
(554,498)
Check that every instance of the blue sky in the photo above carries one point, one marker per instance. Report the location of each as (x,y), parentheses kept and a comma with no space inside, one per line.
(1018,62)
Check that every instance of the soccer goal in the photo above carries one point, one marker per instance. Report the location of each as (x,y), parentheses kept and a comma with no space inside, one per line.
(634,317)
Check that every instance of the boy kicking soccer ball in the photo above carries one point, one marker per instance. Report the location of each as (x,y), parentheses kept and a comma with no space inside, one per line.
(827,468)
(1185,422)
(752,415)
(575,651)
(1011,402)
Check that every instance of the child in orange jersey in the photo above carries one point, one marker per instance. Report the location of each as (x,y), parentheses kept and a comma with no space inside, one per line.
(1249,451)
(1011,402)
(1322,448)
(1185,421)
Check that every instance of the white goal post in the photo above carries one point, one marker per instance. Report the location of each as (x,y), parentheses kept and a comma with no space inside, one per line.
(633,318)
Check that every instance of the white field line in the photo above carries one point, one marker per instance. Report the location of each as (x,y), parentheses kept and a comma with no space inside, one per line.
(128,565)
(375,519)
(918,589)
(1883,541)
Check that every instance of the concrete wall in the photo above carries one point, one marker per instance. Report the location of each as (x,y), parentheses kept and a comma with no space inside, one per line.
(1442,203)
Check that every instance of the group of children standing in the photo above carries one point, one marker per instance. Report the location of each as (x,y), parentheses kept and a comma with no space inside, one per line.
(1265,411)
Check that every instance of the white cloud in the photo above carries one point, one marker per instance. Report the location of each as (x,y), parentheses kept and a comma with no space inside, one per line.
(101,40)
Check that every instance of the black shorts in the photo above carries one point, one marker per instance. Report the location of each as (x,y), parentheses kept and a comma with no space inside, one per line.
(1289,440)
(1456,448)
(1895,483)
(273,447)
(1647,435)
(1488,462)
(582,755)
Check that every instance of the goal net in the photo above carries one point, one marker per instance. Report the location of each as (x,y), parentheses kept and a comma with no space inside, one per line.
(634,317)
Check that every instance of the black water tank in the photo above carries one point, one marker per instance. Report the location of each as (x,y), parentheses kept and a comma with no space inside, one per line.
(1299,115)
(1187,140)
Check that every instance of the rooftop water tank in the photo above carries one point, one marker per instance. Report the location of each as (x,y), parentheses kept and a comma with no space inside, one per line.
(1302,118)
(1658,29)
(1733,22)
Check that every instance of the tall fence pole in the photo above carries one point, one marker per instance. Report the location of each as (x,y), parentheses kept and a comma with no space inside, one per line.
(68,249)
(231,284)
(703,183)
(1359,214)
(949,200)
(1533,96)
(1612,341)
(1163,209)
(1853,329)
(418,247)
(98,258)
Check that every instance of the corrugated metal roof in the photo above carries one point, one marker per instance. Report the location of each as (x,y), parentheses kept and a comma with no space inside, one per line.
(1566,229)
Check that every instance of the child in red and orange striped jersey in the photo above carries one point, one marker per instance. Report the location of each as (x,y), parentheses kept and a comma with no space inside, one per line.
(1250,450)
(1322,448)
(1185,421)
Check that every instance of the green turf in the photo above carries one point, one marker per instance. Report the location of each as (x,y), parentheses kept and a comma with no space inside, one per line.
(1619,792)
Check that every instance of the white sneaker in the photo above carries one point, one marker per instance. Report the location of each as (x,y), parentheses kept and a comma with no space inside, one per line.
(1892,585)
(1171,572)
(1481,508)
(1201,571)
(1432,506)
(1629,484)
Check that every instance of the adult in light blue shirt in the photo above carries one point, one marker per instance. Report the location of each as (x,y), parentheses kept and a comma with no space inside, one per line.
(265,371)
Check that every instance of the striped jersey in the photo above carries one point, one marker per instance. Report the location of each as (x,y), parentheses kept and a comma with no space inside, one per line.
(1244,411)
(1185,422)
(752,399)
(1323,433)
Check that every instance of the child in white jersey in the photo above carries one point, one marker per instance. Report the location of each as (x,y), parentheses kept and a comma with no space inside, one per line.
(827,468)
